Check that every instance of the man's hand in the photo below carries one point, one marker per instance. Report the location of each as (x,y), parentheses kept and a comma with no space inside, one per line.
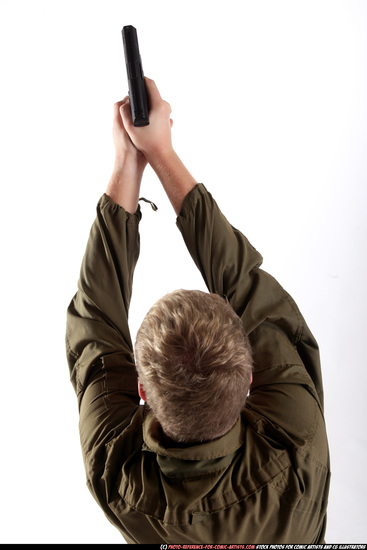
(124,185)
(123,145)
(154,140)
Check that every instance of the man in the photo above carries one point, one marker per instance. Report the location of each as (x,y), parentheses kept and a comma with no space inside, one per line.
(231,445)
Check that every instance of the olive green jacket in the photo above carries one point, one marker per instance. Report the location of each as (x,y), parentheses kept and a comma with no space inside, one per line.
(267,479)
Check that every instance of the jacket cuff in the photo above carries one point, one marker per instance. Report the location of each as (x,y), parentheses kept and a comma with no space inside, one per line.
(191,199)
(106,203)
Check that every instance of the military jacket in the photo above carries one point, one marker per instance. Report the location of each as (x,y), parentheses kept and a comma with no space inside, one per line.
(267,479)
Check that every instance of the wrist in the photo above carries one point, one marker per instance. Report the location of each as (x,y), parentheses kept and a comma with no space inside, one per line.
(160,157)
(132,162)
(124,185)
(129,169)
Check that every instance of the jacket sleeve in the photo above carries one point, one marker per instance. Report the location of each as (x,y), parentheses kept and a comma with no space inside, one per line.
(284,350)
(98,343)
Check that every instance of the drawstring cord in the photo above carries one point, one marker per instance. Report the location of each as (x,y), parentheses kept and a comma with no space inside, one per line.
(154,207)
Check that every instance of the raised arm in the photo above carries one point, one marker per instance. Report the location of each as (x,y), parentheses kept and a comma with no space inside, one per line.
(98,343)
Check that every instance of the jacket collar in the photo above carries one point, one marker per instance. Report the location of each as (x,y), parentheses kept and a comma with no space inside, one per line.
(195,460)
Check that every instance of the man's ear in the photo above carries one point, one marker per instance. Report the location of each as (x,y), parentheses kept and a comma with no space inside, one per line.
(141,391)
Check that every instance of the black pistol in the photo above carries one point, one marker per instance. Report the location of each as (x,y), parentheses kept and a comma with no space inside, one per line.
(137,91)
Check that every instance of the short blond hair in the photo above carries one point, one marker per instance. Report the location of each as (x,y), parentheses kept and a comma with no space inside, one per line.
(194,361)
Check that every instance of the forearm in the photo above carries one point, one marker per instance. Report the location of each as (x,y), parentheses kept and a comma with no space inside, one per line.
(174,176)
(124,185)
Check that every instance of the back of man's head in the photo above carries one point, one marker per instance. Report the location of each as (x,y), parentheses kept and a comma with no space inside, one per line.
(194,362)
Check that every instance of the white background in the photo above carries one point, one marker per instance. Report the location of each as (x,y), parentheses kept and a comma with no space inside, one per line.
(269,106)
